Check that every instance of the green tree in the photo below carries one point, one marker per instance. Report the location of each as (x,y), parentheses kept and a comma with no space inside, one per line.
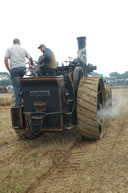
(124,75)
(5,79)
(115,74)
(119,76)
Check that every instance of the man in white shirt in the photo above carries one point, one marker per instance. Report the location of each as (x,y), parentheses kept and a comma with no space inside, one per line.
(15,64)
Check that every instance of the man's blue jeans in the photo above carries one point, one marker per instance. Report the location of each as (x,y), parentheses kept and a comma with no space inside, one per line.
(16,74)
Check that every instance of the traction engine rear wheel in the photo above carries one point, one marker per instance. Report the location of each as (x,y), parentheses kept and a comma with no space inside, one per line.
(90,101)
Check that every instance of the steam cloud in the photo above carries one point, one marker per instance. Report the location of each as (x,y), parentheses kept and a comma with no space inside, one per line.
(109,111)
(82,55)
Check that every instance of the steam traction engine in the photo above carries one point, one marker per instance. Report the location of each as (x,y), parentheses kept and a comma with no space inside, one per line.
(53,104)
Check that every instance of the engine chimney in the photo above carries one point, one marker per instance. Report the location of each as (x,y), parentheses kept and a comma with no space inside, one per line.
(81,53)
(81,42)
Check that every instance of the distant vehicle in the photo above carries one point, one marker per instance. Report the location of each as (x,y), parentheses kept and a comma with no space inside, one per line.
(113,81)
(9,88)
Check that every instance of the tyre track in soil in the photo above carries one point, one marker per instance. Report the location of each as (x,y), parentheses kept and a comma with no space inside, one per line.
(57,163)
(19,147)
(74,164)
(85,159)
(76,168)
(19,154)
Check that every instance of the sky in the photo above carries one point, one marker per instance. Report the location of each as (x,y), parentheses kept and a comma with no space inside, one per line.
(57,24)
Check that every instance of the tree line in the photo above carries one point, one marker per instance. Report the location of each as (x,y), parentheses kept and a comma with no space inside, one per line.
(119,76)
(5,79)
(113,74)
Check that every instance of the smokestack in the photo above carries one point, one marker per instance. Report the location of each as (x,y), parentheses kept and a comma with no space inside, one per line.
(81,53)
(81,43)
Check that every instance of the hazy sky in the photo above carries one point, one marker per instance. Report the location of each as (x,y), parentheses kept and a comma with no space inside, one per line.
(57,23)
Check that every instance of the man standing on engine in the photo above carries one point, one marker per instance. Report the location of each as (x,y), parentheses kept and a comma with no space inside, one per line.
(15,63)
(47,62)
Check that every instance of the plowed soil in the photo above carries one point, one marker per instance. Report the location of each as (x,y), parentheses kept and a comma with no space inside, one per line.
(65,163)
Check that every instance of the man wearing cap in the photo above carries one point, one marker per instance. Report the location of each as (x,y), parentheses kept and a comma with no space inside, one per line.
(15,63)
(47,62)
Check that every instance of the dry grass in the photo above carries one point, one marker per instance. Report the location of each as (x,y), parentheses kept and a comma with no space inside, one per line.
(64,163)
(6,99)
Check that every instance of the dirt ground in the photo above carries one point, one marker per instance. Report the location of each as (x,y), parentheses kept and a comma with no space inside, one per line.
(65,163)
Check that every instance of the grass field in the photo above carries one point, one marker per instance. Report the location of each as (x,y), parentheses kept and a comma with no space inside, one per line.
(64,163)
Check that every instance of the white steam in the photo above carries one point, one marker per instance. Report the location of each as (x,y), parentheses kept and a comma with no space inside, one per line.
(82,55)
(112,108)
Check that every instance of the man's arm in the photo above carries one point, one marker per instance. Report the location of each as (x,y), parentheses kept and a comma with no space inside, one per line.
(6,63)
(27,55)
